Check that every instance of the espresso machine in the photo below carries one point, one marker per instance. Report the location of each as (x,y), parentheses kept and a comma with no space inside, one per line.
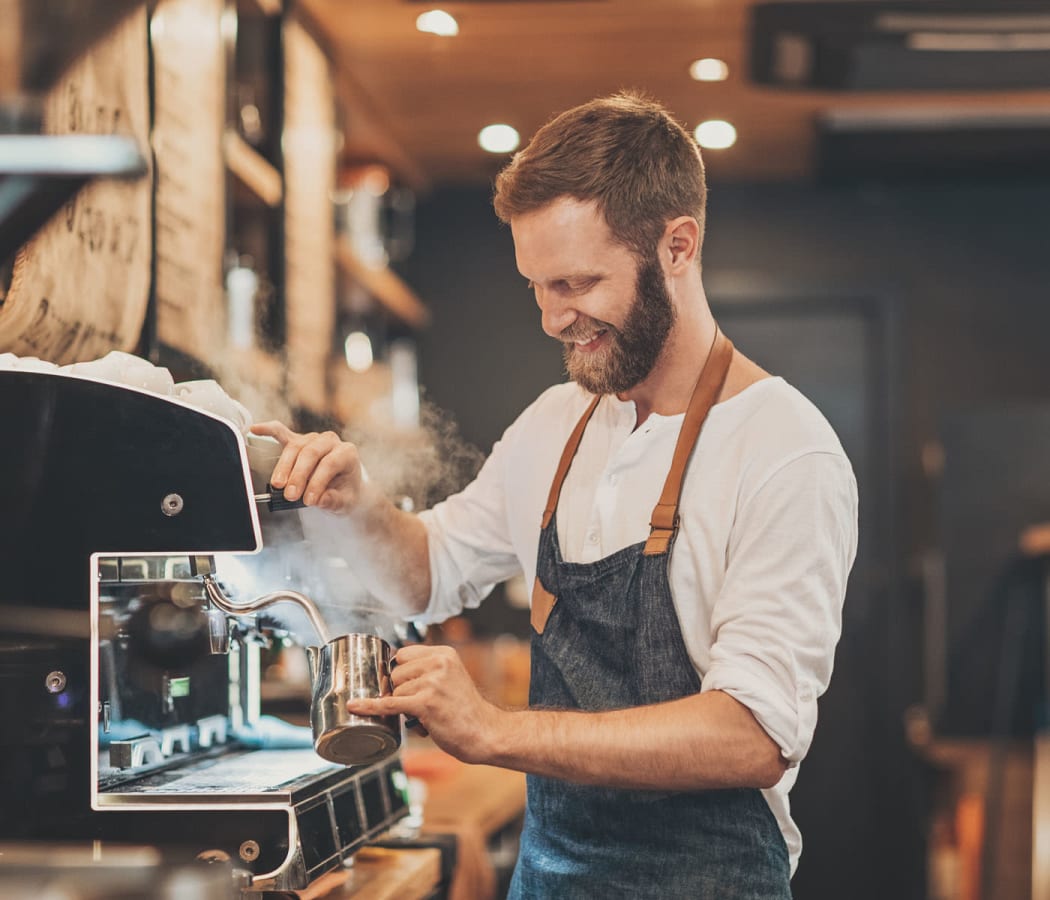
(125,694)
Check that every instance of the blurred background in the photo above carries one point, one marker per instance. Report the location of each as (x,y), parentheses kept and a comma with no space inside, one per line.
(295,198)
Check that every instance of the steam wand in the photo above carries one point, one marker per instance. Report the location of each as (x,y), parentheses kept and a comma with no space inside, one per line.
(217,597)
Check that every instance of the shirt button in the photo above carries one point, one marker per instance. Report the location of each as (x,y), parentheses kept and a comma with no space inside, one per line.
(613,479)
(592,538)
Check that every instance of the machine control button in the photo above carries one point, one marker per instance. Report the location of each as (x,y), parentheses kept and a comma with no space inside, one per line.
(171,505)
(138,751)
(211,730)
(175,738)
(55,682)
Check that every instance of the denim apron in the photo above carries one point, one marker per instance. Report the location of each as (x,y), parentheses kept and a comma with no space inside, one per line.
(606,636)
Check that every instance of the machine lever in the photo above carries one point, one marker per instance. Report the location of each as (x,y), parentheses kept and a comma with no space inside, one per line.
(274,500)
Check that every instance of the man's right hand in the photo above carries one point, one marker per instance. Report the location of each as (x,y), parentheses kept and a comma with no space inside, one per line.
(321,468)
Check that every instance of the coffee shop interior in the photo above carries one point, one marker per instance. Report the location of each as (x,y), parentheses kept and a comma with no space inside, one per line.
(283,208)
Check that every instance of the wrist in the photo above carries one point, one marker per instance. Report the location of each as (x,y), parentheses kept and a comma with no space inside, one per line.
(497,742)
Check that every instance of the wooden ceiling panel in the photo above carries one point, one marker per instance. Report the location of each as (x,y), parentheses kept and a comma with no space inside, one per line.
(418,101)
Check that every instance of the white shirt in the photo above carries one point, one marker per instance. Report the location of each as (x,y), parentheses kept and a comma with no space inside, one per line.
(758,570)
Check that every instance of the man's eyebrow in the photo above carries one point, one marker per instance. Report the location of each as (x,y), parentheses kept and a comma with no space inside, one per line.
(570,278)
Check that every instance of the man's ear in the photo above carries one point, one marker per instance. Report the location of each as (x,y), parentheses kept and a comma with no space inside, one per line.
(681,243)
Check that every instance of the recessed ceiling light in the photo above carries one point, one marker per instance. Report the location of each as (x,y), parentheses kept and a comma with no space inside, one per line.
(715,134)
(498,138)
(709,69)
(358,350)
(439,22)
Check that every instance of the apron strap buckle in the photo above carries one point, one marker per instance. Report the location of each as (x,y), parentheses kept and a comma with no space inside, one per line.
(662,529)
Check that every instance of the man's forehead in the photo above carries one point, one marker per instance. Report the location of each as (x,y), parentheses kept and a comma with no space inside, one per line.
(562,209)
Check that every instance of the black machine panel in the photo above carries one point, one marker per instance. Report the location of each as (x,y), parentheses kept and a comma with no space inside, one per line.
(88,467)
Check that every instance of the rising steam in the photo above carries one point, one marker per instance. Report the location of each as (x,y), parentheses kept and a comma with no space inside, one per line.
(425,465)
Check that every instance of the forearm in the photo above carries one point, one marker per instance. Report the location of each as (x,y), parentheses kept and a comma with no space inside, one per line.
(699,742)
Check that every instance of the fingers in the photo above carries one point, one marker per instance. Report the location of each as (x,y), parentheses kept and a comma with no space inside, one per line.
(337,463)
(416,664)
(385,706)
(408,703)
(311,464)
(298,459)
(273,429)
(411,652)
(405,674)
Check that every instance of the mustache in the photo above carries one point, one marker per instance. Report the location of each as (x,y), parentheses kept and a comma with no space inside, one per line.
(584,327)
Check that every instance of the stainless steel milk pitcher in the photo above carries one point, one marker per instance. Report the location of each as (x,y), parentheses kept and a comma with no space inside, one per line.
(351,666)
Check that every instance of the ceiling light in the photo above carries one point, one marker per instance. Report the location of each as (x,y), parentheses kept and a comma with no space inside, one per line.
(498,138)
(439,22)
(358,350)
(709,69)
(715,134)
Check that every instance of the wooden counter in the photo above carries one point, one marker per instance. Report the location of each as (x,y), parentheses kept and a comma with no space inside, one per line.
(981,778)
(483,797)
(474,803)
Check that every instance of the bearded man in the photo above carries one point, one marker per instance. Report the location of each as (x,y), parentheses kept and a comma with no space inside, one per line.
(687,521)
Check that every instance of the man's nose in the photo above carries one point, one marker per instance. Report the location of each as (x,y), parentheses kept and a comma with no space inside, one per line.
(555,315)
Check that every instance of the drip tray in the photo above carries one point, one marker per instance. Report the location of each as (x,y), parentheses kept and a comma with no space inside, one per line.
(256,776)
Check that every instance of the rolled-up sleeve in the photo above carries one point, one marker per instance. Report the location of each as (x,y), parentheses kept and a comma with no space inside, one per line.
(778,616)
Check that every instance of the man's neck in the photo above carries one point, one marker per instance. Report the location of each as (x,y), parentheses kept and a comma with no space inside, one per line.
(669,387)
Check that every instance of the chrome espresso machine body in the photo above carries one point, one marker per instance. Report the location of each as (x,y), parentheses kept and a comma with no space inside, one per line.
(124,696)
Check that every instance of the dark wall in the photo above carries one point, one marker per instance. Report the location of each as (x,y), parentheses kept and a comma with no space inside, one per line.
(484,357)
(950,288)
(965,271)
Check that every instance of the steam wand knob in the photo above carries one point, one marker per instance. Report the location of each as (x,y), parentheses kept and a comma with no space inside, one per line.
(274,500)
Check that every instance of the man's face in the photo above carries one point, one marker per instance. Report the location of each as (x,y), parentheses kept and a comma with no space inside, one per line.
(633,348)
(612,314)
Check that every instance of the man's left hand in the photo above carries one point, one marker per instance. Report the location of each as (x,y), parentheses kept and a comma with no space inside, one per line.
(432,685)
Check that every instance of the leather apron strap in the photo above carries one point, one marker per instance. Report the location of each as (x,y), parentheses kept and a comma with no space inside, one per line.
(571,446)
(664,521)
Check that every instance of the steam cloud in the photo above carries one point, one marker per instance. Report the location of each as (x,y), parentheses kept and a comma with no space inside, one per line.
(307,552)
(425,466)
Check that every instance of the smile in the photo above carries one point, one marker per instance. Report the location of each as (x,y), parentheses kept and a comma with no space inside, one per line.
(589,343)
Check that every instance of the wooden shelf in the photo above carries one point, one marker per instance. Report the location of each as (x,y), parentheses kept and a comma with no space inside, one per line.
(253,170)
(384,285)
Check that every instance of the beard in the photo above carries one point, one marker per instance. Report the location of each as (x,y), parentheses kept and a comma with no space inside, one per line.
(634,348)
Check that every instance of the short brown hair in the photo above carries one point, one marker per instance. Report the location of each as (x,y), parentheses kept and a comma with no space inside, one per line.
(627,153)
